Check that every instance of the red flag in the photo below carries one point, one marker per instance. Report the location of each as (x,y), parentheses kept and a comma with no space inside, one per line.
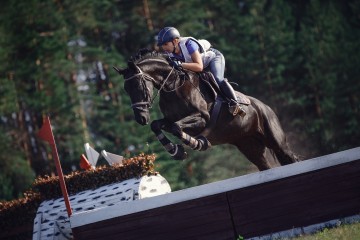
(45,132)
(84,163)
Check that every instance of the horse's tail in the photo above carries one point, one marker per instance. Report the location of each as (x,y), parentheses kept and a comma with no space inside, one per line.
(276,139)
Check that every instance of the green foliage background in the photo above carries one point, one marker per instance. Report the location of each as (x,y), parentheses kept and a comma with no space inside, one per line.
(299,57)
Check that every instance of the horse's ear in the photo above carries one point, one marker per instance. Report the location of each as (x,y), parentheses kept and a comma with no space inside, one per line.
(121,71)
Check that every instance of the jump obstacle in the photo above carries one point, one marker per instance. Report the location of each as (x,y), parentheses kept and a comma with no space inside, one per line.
(283,201)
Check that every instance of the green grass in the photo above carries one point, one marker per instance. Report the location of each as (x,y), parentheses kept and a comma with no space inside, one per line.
(343,232)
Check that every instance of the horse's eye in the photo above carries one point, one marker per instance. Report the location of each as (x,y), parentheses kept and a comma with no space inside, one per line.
(126,87)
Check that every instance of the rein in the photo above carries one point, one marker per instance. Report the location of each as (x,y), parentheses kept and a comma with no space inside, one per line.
(162,86)
(145,77)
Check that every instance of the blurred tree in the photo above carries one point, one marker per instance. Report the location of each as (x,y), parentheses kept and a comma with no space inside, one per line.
(299,57)
(324,42)
(16,174)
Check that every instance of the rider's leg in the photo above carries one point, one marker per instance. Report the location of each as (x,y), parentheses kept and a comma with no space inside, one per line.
(229,92)
(217,67)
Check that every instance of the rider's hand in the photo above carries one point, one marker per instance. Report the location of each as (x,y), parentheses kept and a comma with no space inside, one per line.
(175,64)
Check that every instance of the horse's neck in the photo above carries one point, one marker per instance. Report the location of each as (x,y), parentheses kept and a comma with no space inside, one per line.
(160,71)
(154,60)
(164,76)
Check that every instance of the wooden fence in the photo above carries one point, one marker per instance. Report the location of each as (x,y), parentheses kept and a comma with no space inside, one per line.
(258,204)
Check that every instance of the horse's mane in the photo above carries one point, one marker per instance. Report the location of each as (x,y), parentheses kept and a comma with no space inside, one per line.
(144,54)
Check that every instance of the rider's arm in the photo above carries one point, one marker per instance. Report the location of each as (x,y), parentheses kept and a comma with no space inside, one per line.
(196,65)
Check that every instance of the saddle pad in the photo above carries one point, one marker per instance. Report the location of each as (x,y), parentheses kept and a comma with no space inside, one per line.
(242,98)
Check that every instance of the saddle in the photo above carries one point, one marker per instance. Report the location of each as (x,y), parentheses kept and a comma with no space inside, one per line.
(209,79)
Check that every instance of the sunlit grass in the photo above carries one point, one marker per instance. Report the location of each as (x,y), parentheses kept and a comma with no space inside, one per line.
(343,232)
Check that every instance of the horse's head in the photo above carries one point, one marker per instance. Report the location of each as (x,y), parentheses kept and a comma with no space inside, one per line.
(144,72)
(139,87)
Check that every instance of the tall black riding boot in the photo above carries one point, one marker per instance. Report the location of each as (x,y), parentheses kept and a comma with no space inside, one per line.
(234,106)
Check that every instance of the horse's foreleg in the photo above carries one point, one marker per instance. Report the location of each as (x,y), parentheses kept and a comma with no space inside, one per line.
(192,122)
(199,143)
(175,150)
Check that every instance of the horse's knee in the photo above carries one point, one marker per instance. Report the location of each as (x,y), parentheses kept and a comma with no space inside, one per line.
(155,126)
(200,124)
(176,130)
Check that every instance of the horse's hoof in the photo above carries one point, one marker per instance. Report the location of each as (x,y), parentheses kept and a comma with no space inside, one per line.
(179,153)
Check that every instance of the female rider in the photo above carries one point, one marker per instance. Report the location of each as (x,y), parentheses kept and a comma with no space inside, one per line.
(195,55)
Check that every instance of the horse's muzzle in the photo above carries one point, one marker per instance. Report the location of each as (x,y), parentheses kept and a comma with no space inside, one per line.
(142,116)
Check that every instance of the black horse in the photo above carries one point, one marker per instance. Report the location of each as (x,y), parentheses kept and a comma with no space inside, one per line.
(187,103)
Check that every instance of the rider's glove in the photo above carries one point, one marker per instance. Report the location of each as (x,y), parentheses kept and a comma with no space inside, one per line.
(175,64)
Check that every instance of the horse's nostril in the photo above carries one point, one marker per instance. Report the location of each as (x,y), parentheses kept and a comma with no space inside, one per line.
(145,121)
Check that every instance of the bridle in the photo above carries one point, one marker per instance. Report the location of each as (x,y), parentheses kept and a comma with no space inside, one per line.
(143,105)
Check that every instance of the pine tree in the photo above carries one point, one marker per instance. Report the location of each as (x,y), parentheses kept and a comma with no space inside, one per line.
(323,35)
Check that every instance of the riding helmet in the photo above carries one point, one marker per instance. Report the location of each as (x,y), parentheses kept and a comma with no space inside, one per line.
(167,34)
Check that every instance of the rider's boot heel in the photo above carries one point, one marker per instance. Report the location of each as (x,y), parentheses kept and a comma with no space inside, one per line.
(234,106)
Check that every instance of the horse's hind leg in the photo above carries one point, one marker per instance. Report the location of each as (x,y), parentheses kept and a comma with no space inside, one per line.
(276,141)
(254,151)
(284,154)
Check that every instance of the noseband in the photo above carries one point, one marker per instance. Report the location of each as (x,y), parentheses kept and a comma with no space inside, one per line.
(145,77)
